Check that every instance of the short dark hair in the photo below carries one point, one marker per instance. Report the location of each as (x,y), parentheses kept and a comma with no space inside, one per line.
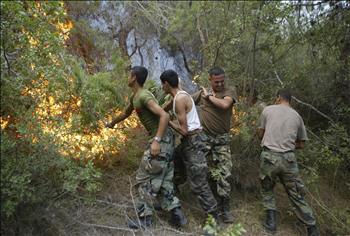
(141,74)
(171,77)
(285,94)
(216,71)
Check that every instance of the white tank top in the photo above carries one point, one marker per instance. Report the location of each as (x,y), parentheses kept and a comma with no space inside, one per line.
(193,122)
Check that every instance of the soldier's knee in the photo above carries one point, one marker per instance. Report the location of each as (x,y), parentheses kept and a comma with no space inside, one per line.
(267,183)
(301,188)
(296,187)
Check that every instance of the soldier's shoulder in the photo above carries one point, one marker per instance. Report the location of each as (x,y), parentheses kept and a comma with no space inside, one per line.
(230,91)
(270,107)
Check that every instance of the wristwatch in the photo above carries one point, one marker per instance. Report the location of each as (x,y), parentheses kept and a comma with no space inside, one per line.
(208,95)
(157,139)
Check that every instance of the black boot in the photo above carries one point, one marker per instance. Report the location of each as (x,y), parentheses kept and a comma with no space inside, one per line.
(146,222)
(215,215)
(226,215)
(177,217)
(312,231)
(270,222)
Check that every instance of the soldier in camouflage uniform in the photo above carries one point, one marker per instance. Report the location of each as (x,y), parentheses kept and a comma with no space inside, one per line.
(155,174)
(282,131)
(215,115)
(192,143)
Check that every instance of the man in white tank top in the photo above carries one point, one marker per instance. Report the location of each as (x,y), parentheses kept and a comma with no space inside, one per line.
(192,142)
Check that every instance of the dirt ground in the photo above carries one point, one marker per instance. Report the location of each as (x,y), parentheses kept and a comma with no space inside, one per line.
(114,205)
(105,213)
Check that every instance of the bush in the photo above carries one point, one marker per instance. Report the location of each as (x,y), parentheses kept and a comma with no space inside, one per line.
(34,172)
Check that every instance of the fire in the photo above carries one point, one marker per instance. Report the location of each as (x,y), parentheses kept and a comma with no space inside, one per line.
(64,28)
(4,121)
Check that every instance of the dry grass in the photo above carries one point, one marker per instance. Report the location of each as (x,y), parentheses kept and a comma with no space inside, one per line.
(105,214)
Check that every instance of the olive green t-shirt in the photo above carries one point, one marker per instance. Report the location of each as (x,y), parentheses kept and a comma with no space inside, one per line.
(215,121)
(283,126)
(149,120)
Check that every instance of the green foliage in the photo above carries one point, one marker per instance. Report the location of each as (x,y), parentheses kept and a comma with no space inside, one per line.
(261,46)
(36,173)
(234,230)
(98,96)
(329,152)
(211,227)
(156,90)
(85,177)
(29,52)
(35,69)
(100,92)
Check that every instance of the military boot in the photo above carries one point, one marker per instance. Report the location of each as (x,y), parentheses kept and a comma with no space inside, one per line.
(215,215)
(177,217)
(226,215)
(270,222)
(312,231)
(141,223)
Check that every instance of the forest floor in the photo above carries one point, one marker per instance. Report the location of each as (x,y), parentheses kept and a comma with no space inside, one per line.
(106,212)
(114,205)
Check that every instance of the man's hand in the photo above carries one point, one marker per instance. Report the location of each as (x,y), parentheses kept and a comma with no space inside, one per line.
(205,92)
(299,144)
(155,148)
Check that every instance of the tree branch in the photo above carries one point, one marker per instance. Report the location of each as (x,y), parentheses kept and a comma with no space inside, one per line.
(314,108)
(306,104)
(133,202)
(201,35)
(185,59)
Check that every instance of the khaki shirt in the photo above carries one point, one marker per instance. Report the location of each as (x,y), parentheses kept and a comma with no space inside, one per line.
(214,120)
(283,127)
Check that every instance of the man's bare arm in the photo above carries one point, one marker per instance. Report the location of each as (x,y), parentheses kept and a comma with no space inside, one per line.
(175,126)
(260,133)
(180,109)
(163,117)
(125,114)
(222,103)
(299,144)
(163,124)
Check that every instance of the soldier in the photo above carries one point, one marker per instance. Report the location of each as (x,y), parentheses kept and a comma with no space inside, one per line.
(282,131)
(155,174)
(188,125)
(215,116)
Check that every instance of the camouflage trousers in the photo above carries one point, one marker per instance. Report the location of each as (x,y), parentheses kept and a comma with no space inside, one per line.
(220,164)
(154,178)
(193,156)
(284,166)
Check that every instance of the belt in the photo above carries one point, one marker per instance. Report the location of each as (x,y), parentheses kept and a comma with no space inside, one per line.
(193,132)
(268,149)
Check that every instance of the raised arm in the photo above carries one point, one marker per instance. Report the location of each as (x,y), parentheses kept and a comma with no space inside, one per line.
(125,114)
(222,103)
